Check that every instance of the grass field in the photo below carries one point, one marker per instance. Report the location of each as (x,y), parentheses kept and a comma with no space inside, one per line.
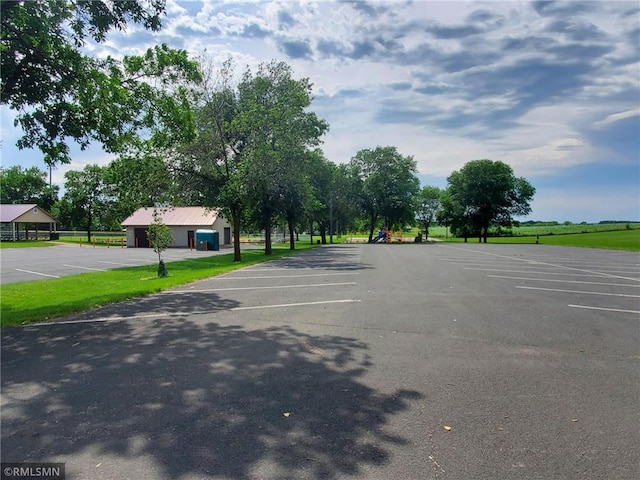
(24,303)
(26,244)
(621,240)
(529,231)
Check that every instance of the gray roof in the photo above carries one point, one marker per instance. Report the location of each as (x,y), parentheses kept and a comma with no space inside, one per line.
(176,216)
(10,212)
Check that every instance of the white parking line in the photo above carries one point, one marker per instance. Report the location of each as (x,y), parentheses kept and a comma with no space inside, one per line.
(111,319)
(86,268)
(238,277)
(282,305)
(258,288)
(121,264)
(605,309)
(578,291)
(37,273)
(535,262)
(565,281)
(532,271)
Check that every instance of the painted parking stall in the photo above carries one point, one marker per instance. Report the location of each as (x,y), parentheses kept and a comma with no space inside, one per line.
(587,279)
(40,263)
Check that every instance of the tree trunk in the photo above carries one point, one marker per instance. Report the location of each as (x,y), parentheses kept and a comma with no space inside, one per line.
(292,240)
(89,228)
(323,233)
(311,232)
(235,219)
(372,225)
(268,250)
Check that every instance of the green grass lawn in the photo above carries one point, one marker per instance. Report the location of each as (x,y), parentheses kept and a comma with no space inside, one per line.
(26,244)
(23,303)
(618,240)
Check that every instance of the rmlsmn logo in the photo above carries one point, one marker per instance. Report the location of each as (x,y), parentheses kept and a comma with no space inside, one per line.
(30,471)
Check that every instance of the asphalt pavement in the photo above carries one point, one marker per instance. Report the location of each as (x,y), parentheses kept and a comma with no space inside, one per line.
(64,259)
(433,361)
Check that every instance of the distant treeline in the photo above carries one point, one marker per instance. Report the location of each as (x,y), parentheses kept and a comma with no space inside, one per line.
(536,223)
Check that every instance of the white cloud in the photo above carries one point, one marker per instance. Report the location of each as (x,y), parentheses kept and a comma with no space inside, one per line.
(615,117)
(530,90)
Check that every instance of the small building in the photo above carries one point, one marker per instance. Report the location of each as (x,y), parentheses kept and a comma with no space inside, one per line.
(183,222)
(28,217)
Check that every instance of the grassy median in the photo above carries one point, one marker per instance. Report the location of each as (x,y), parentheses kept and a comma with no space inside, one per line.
(23,303)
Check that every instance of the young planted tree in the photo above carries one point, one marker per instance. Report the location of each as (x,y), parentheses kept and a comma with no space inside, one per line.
(160,238)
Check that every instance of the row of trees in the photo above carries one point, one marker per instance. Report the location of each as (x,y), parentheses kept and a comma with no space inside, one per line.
(377,187)
(185,133)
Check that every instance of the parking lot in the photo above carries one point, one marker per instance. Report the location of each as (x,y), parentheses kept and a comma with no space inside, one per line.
(435,361)
(38,263)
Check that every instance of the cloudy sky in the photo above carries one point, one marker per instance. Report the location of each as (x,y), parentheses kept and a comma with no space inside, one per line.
(551,88)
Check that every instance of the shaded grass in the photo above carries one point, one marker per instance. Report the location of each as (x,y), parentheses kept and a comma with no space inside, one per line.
(23,303)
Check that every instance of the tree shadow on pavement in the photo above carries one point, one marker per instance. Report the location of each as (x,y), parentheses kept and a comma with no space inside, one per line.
(193,400)
(329,257)
(162,304)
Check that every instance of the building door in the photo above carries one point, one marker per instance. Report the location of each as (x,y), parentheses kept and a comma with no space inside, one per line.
(140,238)
(227,235)
(191,238)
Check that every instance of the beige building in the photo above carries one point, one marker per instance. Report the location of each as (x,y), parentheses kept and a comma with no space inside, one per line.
(13,217)
(183,222)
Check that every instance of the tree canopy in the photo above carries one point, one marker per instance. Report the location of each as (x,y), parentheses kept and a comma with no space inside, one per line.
(429,203)
(279,131)
(87,196)
(60,93)
(20,185)
(389,186)
(485,193)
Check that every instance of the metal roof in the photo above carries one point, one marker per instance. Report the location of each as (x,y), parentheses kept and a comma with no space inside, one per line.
(10,212)
(176,216)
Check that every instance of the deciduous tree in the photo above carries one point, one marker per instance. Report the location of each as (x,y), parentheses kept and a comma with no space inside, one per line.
(60,93)
(27,185)
(279,130)
(160,238)
(428,206)
(389,186)
(88,196)
(489,194)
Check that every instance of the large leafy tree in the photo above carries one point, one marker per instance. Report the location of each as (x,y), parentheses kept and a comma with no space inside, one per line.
(279,130)
(489,194)
(213,162)
(333,204)
(454,215)
(141,179)
(27,185)
(389,186)
(87,197)
(429,204)
(61,93)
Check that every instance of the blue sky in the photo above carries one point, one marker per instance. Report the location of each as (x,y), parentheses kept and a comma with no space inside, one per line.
(551,88)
